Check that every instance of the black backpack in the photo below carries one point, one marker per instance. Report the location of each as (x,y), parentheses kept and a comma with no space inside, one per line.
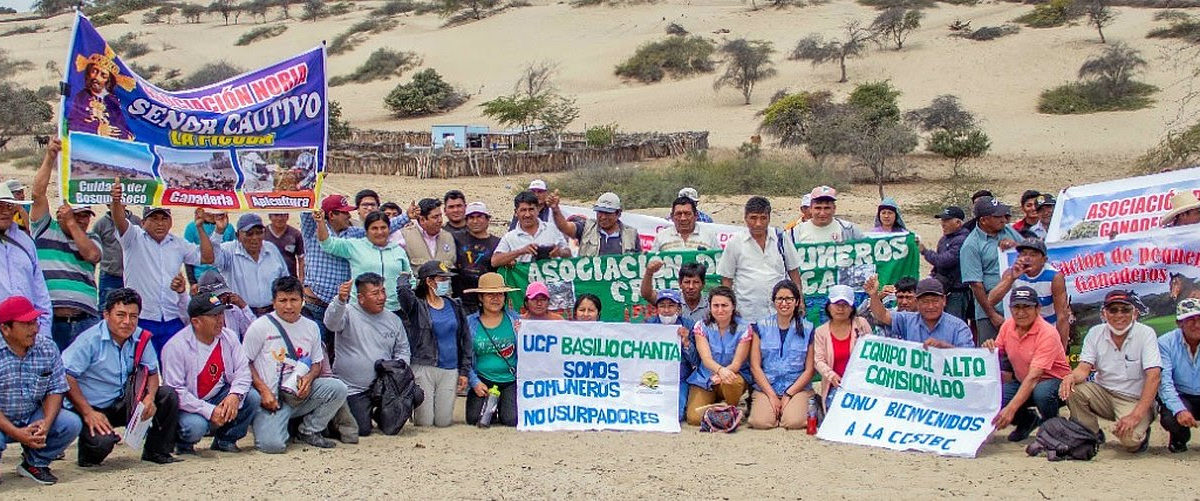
(1062,438)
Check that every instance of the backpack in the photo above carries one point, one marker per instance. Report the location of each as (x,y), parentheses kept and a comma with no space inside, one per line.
(1062,438)
(720,418)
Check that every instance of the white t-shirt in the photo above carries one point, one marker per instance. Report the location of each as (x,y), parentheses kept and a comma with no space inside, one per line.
(516,238)
(267,351)
(1121,371)
(755,270)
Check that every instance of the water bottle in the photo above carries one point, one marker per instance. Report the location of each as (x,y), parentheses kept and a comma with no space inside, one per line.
(489,407)
(812,416)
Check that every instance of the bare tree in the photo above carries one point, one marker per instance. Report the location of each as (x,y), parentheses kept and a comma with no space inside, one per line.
(537,79)
(1113,69)
(1100,15)
(944,113)
(876,147)
(896,23)
(852,44)
(746,62)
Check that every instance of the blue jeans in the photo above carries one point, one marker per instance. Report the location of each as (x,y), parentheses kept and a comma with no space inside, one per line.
(64,431)
(317,314)
(1044,397)
(271,428)
(193,427)
(161,332)
(63,331)
(107,283)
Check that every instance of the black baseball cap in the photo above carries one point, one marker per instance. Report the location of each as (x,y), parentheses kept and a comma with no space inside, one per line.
(1023,295)
(433,268)
(1032,243)
(951,213)
(988,206)
(204,305)
(930,285)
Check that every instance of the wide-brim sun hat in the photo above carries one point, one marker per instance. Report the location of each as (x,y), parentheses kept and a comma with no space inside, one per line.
(1181,201)
(491,282)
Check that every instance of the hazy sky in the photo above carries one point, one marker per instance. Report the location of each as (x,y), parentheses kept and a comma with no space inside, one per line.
(20,5)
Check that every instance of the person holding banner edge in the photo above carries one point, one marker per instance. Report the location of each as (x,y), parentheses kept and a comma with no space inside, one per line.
(494,350)
(1124,355)
(723,347)
(1038,362)
(666,312)
(781,362)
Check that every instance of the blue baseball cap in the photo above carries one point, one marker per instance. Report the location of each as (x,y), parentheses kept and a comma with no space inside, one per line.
(671,294)
(249,220)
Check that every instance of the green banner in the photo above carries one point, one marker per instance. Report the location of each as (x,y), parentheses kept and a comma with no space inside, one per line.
(616,279)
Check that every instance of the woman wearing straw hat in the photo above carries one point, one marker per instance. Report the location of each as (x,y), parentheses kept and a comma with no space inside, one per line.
(494,341)
(1185,210)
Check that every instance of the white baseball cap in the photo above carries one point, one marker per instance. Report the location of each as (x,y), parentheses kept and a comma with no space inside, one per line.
(823,192)
(477,208)
(690,193)
(608,202)
(842,293)
(537,185)
(806,201)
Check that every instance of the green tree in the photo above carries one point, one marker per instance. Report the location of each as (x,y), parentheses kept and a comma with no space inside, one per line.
(556,114)
(339,129)
(426,94)
(746,63)
(191,12)
(52,7)
(878,101)
(21,111)
(954,132)
(1113,69)
(226,8)
(790,119)
(166,11)
(314,10)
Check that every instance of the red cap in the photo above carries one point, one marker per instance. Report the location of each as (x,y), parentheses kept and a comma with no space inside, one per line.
(1117,296)
(18,309)
(336,203)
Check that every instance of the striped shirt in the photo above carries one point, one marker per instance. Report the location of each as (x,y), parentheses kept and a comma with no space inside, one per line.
(1042,283)
(69,277)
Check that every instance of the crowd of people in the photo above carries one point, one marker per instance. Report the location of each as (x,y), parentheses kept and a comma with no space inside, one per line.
(369,316)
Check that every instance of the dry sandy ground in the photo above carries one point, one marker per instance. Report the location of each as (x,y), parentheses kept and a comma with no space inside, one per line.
(1000,79)
(464,462)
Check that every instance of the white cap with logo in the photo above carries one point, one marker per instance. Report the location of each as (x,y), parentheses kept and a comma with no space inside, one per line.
(608,202)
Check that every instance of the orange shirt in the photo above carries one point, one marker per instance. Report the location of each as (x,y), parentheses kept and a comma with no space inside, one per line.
(1041,347)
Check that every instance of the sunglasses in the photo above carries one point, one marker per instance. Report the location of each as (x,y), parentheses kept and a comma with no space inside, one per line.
(1119,310)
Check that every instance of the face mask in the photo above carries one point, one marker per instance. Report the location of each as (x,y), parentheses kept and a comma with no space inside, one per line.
(443,288)
(668,319)
(1120,332)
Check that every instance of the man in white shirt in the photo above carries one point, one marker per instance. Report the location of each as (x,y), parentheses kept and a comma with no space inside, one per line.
(1124,353)
(825,226)
(683,234)
(286,360)
(753,262)
(152,257)
(531,238)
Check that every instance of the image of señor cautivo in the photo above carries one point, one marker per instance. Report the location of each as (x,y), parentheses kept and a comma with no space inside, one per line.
(94,108)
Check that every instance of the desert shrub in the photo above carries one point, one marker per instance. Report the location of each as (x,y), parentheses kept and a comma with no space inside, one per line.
(676,56)
(426,94)
(208,74)
(192,12)
(128,46)
(1171,15)
(888,4)
(1186,28)
(990,32)
(341,8)
(1051,14)
(107,18)
(23,30)
(21,111)
(381,64)
(746,63)
(394,7)
(261,33)
(354,35)
(10,67)
(727,174)
(147,72)
(1180,149)
(1090,97)
(7,10)
(676,29)
(47,93)
(598,136)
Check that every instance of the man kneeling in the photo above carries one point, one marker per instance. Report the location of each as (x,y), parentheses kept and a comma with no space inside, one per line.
(206,366)
(98,363)
(286,360)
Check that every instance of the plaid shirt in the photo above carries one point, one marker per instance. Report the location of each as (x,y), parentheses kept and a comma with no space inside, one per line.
(323,272)
(26,381)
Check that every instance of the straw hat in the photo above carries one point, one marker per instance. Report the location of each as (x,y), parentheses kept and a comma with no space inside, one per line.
(491,282)
(1182,201)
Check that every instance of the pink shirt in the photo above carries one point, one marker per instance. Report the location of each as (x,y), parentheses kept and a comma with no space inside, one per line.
(1041,347)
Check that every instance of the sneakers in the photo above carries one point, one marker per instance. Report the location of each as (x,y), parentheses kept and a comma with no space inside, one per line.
(1144,445)
(316,440)
(1177,446)
(39,474)
(157,458)
(226,447)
